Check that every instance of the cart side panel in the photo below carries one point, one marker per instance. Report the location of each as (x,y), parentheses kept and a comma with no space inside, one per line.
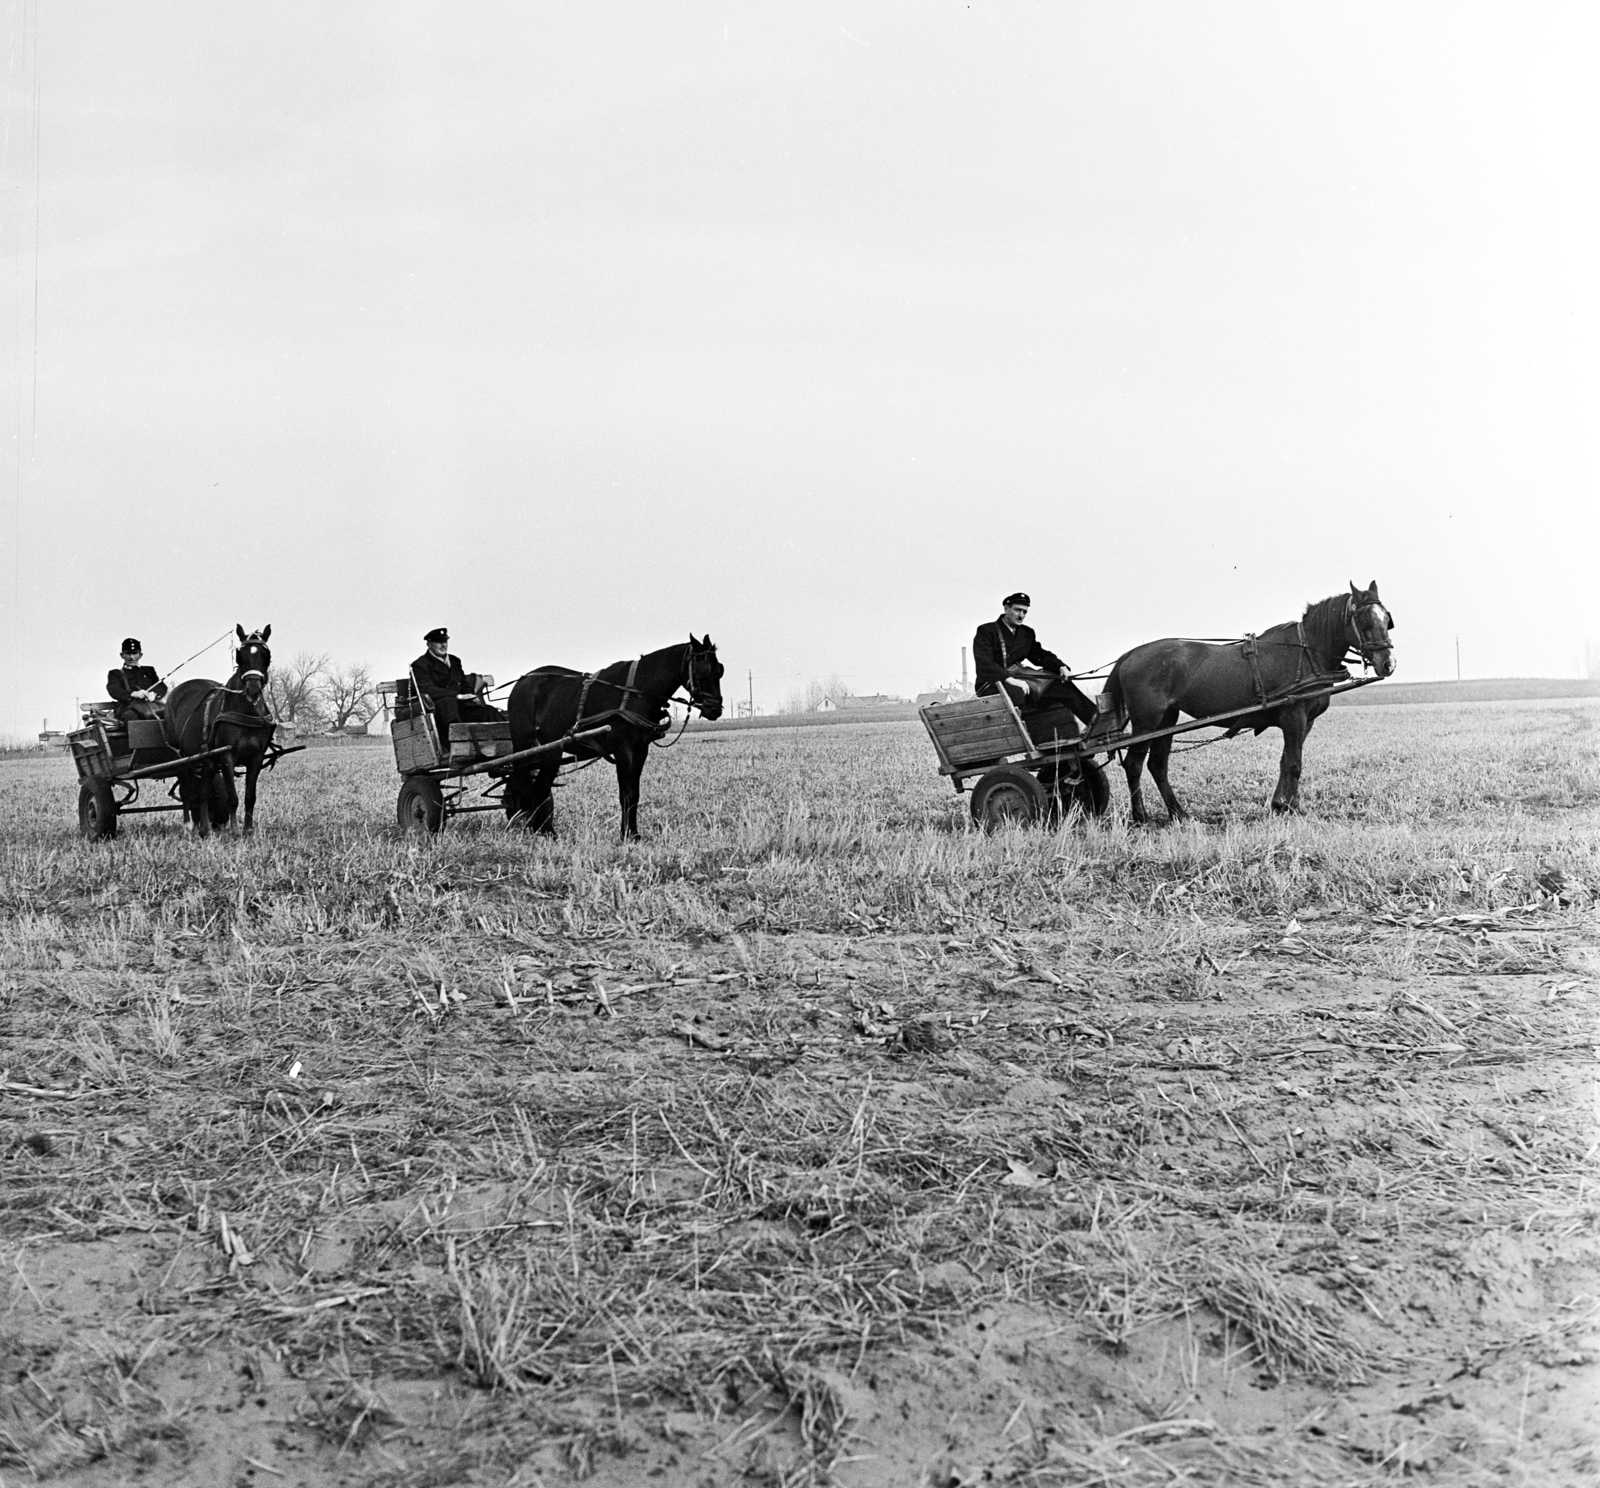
(470,742)
(413,745)
(95,750)
(975,730)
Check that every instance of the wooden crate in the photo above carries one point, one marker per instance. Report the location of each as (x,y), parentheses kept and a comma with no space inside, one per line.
(413,745)
(975,731)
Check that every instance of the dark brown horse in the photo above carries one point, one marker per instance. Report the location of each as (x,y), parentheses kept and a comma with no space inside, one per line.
(1152,684)
(630,697)
(203,715)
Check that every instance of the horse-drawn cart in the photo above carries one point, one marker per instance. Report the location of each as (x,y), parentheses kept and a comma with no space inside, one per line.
(114,758)
(437,776)
(1035,767)
(1025,770)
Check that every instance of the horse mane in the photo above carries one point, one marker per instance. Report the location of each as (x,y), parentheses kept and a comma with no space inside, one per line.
(1323,623)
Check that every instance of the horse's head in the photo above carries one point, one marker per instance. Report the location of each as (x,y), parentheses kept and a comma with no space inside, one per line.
(1370,623)
(703,677)
(252,661)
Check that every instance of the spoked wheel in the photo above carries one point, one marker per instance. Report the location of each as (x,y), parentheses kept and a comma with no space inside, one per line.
(97,810)
(420,807)
(1008,794)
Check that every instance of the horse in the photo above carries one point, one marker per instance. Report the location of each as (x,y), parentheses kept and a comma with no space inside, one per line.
(204,715)
(1151,684)
(629,697)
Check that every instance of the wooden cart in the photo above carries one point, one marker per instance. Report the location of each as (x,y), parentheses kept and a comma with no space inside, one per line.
(115,758)
(438,776)
(1025,770)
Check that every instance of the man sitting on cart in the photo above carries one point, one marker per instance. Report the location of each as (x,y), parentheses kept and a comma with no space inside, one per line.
(457,696)
(1000,651)
(136,690)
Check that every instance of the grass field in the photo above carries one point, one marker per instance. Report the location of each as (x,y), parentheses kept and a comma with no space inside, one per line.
(815,1139)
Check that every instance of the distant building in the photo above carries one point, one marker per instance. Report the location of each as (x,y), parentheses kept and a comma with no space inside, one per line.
(949,694)
(827,705)
(871,700)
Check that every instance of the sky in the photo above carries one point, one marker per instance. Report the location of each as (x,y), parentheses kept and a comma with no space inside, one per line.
(818,328)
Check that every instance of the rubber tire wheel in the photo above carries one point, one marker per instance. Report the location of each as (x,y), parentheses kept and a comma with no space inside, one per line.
(219,801)
(420,807)
(97,811)
(1093,792)
(1008,794)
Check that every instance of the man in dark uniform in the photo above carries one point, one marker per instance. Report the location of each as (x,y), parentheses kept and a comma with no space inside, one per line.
(135,689)
(457,696)
(999,650)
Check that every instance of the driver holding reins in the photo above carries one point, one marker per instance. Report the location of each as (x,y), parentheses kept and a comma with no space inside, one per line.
(456,695)
(1006,653)
(136,690)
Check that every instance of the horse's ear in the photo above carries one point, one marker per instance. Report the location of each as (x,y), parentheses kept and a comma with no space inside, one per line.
(266,634)
(242,637)
(1354,590)
(1372,589)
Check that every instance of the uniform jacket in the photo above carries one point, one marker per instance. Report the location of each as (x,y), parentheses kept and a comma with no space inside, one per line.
(996,647)
(445,678)
(123,682)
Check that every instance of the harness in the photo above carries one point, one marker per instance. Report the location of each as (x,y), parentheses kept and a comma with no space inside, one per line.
(216,712)
(657,722)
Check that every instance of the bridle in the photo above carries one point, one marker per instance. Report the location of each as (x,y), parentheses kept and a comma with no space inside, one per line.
(242,674)
(1358,642)
(691,675)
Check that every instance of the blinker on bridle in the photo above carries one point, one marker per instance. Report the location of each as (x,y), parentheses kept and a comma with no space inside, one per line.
(1354,613)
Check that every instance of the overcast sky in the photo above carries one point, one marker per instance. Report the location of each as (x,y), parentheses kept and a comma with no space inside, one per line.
(820,327)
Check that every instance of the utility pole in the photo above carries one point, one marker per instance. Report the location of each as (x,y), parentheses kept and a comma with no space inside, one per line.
(963,669)
(1458,658)
(752,679)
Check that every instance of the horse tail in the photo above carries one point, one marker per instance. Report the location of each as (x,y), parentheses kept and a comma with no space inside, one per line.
(1115,692)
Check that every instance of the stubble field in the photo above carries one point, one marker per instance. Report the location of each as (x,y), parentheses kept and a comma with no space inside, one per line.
(815,1139)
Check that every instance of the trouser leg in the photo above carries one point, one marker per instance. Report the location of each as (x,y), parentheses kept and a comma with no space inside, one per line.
(1070,695)
(446,710)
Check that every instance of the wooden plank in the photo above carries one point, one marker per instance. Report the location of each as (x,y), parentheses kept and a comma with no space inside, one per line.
(1000,728)
(1007,743)
(1005,730)
(986,719)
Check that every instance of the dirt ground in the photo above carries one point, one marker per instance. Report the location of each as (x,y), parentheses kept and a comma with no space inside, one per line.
(454,1176)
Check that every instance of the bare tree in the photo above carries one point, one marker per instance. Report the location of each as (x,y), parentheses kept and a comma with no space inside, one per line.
(294,689)
(809,698)
(1590,661)
(349,695)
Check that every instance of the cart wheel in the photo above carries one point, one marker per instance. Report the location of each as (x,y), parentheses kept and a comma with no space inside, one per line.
(1093,792)
(1008,794)
(97,810)
(421,804)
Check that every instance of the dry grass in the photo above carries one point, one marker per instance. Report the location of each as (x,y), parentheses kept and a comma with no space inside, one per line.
(631,1155)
